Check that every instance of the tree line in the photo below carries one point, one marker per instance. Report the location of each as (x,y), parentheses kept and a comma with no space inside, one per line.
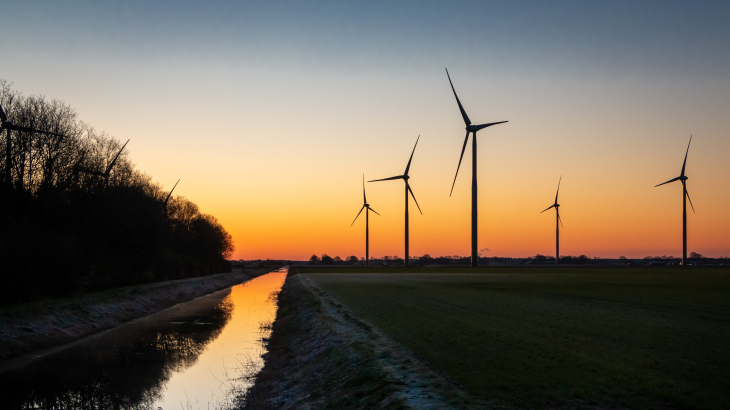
(69,223)
(538,259)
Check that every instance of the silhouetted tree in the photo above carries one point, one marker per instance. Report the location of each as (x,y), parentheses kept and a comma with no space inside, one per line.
(314,260)
(91,234)
(327,260)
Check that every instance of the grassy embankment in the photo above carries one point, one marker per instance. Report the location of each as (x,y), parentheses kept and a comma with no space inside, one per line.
(36,326)
(322,357)
(542,337)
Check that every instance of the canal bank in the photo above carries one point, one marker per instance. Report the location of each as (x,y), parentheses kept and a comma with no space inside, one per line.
(193,355)
(321,356)
(33,329)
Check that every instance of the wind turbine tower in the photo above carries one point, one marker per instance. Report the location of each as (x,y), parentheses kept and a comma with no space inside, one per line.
(367,207)
(470,129)
(685,197)
(556,205)
(405,178)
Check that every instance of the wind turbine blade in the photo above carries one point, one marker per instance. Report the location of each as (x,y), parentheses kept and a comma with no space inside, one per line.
(373,211)
(411,158)
(560,220)
(414,197)
(467,121)
(358,214)
(685,155)
(558,191)
(387,179)
(173,188)
(109,168)
(26,129)
(3,117)
(460,158)
(482,126)
(690,199)
(671,180)
(364,198)
(551,206)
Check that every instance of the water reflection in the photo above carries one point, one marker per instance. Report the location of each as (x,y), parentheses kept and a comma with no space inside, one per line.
(183,356)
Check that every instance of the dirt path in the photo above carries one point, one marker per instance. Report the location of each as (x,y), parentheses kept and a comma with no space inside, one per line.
(322,356)
(36,328)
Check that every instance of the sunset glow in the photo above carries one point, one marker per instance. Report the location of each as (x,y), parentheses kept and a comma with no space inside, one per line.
(270,115)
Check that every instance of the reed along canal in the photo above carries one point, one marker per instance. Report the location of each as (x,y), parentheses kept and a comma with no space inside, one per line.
(189,356)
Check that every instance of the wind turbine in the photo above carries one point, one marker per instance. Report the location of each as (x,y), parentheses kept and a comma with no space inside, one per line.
(685,197)
(164,206)
(470,129)
(556,205)
(365,205)
(9,126)
(405,178)
(108,170)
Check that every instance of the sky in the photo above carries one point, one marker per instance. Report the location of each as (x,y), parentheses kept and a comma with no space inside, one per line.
(271,112)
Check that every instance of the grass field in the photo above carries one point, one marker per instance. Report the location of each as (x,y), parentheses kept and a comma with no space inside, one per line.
(539,337)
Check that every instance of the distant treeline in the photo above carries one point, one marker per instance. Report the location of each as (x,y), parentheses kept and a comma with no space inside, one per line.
(695,258)
(66,227)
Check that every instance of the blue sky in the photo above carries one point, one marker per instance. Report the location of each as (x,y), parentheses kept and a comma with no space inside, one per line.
(251,103)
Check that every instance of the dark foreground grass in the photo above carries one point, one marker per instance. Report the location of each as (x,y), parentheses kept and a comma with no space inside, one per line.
(616,337)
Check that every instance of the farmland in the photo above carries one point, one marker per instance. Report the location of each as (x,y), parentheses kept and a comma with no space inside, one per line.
(542,337)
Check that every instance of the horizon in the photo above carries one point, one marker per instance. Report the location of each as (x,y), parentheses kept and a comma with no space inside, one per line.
(270,113)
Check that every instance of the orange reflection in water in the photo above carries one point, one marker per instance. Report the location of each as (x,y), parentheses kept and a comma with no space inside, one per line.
(207,382)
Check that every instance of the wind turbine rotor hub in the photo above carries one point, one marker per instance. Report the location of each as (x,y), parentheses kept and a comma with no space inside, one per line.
(684,178)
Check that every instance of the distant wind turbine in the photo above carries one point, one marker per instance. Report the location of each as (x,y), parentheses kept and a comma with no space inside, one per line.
(108,170)
(405,178)
(470,129)
(556,205)
(365,205)
(9,126)
(685,197)
(164,205)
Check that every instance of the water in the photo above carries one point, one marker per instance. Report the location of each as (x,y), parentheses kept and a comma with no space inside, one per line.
(188,357)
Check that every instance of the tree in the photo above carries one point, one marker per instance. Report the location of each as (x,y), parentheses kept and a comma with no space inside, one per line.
(353,259)
(327,260)
(93,235)
(622,257)
(695,255)
(337,260)
(314,260)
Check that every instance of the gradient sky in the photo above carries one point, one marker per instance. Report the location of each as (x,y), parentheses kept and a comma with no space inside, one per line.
(270,113)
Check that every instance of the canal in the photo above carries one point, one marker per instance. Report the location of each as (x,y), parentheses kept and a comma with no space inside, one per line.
(195,355)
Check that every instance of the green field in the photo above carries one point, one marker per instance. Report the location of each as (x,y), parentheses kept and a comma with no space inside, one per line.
(537,337)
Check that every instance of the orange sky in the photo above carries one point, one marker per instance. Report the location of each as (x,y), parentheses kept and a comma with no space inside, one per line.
(270,115)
